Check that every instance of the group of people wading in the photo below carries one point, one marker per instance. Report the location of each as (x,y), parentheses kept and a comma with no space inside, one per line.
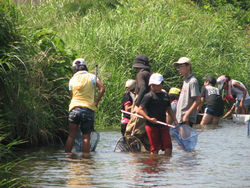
(146,96)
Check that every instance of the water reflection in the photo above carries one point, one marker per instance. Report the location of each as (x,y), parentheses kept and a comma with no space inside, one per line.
(79,170)
(220,159)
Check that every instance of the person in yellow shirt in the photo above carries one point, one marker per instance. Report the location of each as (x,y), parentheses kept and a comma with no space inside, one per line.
(174,94)
(83,105)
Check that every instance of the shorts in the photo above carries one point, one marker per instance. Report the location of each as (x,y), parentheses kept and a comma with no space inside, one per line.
(214,112)
(123,128)
(159,138)
(246,103)
(84,117)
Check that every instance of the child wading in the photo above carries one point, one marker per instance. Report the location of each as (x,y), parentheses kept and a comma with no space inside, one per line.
(215,104)
(235,87)
(156,102)
(82,106)
(174,94)
(190,94)
(127,101)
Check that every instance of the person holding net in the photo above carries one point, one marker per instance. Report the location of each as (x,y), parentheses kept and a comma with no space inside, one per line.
(235,87)
(142,66)
(83,104)
(153,108)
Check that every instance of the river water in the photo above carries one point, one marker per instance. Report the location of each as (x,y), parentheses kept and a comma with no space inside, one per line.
(220,159)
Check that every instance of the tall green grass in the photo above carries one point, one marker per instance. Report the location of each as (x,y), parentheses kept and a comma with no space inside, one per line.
(163,30)
(39,41)
(111,34)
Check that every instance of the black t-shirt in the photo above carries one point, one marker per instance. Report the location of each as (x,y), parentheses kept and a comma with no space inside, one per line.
(142,86)
(212,97)
(156,105)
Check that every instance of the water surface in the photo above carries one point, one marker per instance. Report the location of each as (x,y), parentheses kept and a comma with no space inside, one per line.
(220,159)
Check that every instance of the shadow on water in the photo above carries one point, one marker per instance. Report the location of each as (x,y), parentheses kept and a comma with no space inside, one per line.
(220,159)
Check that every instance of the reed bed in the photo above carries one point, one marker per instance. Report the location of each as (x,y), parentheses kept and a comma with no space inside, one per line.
(111,34)
(39,41)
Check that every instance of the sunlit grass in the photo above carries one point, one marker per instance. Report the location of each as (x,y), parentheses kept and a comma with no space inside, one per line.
(162,30)
(40,41)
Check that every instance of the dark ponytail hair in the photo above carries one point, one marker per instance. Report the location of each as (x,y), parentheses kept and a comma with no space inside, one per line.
(228,78)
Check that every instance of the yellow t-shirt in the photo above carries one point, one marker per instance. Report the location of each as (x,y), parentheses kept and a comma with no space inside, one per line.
(83,91)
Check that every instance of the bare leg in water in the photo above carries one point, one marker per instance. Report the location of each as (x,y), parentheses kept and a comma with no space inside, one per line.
(86,143)
(73,129)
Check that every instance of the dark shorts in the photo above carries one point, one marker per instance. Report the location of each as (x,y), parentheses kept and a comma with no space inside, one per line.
(84,117)
(159,138)
(246,103)
(214,112)
(190,123)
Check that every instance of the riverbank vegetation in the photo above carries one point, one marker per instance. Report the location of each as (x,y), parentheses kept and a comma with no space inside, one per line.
(39,41)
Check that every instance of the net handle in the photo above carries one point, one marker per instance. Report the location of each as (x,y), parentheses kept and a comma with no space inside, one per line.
(96,67)
(159,122)
(133,130)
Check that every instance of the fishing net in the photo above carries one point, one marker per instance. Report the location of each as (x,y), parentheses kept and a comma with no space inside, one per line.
(129,144)
(185,136)
(248,127)
(94,139)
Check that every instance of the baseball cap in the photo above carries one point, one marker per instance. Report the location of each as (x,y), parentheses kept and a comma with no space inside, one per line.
(141,61)
(210,79)
(155,79)
(221,80)
(130,83)
(79,62)
(174,90)
(183,60)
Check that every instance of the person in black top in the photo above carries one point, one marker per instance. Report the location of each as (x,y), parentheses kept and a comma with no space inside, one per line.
(142,66)
(156,102)
(215,105)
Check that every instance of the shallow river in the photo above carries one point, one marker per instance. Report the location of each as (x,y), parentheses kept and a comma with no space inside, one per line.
(220,159)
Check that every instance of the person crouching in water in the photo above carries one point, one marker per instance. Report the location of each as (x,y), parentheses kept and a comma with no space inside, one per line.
(215,105)
(157,102)
(127,101)
(82,106)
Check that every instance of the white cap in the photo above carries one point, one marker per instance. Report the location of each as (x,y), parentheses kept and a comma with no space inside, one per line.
(220,81)
(130,83)
(156,79)
(78,62)
(183,60)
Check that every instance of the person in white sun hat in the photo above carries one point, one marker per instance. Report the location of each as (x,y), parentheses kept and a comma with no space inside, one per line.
(156,102)
(82,106)
(127,101)
(190,96)
(237,88)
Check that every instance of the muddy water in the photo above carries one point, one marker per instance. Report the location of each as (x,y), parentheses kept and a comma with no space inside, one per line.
(220,159)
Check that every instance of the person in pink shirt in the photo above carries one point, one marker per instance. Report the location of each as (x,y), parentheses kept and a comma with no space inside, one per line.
(127,101)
